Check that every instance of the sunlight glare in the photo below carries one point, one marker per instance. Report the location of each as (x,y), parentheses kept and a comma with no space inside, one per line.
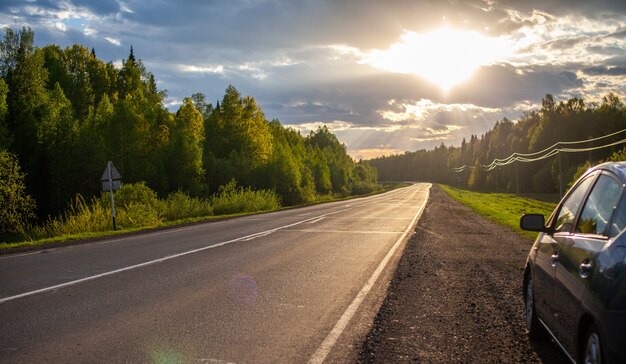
(445,57)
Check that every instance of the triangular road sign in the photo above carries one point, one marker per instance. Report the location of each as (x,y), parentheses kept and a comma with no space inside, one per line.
(115,175)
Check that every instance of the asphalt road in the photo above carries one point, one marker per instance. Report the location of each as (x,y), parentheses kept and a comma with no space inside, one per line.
(291,286)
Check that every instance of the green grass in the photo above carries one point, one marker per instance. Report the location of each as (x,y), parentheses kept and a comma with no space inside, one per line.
(504,208)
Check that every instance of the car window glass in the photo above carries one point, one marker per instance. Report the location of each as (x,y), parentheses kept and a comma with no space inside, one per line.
(566,216)
(619,219)
(599,206)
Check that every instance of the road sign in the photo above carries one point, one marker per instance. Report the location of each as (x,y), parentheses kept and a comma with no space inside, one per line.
(106,185)
(115,175)
(111,182)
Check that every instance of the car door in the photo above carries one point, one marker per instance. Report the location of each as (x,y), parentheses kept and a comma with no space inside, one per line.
(577,253)
(547,255)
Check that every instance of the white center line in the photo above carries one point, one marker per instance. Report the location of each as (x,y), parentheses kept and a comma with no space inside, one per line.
(135,266)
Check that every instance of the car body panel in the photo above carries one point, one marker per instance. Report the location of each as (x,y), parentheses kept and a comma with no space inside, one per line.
(578,264)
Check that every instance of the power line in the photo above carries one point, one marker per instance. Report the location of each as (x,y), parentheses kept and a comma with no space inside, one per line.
(549,152)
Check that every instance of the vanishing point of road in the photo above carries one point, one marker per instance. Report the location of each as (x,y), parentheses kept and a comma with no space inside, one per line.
(299,285)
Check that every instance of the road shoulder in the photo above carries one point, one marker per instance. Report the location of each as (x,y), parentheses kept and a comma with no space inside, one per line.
(456,294)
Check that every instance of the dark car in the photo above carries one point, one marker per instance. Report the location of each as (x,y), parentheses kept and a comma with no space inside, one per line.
(575,276)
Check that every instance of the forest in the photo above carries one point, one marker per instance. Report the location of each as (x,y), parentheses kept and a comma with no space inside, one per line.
(472,165)
(64,113)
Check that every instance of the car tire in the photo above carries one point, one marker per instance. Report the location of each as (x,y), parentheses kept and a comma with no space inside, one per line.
(591,349)
(534,329)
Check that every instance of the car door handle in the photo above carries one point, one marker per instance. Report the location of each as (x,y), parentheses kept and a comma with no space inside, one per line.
(585,269)
(554,258)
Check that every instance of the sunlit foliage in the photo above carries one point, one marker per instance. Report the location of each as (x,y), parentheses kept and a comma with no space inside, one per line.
(64,113)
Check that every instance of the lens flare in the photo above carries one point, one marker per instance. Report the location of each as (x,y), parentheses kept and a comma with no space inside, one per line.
(243,289)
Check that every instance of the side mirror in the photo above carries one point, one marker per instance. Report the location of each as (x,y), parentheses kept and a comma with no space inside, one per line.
(533,222)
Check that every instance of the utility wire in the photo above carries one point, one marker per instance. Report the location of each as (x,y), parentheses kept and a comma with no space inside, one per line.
(550,152)
(554,146)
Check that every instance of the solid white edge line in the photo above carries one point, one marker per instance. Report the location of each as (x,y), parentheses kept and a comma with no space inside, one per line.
(135,266)
(324,349)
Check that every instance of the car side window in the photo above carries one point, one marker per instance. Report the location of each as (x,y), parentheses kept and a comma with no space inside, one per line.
(619,219)
(599,207)
(567,214)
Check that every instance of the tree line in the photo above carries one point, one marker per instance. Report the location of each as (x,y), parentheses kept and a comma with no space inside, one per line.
(569,120)
(64,113)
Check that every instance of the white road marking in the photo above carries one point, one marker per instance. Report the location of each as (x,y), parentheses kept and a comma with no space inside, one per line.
(26,254)
(316,220)
(324,349)
(368,218)
(259,235)
(345,231)
(135,266)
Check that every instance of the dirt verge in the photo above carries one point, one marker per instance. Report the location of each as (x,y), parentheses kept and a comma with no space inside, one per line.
(456,295)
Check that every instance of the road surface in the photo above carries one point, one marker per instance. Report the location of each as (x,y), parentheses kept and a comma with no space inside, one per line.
(289,286)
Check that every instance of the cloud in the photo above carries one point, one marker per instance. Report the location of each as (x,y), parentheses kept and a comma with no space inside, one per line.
(303,60)
(423,109)
(605,70)
(201,69)
(113,41)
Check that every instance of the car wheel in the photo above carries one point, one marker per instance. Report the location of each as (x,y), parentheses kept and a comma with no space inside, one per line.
(533,326)
(593,348)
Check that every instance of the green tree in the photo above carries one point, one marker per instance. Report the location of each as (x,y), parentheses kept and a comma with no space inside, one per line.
(57,134)
(337,160)
(5,138)
(17,206)
(238,140)
(185,153)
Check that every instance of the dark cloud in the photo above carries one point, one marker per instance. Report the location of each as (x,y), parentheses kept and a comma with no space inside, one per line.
(100,7)
(503,85)
(606,50)
(603,70)
(621,34)
(7,5)
(564,43)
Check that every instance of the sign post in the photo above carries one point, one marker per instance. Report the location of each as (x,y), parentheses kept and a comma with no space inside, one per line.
(111,182)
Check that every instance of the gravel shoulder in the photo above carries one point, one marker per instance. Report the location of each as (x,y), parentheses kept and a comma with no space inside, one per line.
(456,294)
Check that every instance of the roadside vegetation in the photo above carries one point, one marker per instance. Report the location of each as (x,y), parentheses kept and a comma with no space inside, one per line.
(504,208)
(537,130)
(64,113)
(138,207)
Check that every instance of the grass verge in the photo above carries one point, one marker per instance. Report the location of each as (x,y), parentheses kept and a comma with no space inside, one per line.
(503,208)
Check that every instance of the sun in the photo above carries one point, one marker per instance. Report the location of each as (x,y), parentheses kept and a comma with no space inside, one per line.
(445,57)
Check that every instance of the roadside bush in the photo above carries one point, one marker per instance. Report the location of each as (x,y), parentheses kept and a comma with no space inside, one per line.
(179,205)
(136,205)
(17,206)
(137,215)
(80,218)
(232,199)
(362,187)
(619,156)
(134,194)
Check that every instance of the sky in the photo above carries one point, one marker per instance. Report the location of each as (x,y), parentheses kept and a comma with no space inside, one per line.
(385,76)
